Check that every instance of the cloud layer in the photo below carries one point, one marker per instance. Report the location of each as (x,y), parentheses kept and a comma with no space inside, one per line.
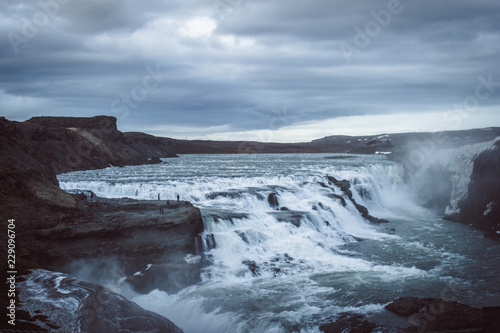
(223,68)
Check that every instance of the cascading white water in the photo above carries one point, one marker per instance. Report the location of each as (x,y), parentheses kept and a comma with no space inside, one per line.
(286,265)
(309,225)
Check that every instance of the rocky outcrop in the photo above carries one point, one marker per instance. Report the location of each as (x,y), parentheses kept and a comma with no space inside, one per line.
(150,237)
(437,315)
(56,229)
(29,190)
(272,199)
(345,187)
(149,145)
(62,303)
(70,144)
(481,207)
(33,152)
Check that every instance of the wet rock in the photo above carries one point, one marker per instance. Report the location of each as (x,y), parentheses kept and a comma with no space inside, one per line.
(228,194)
(364,212)
(132,233)
(323,185)
(481,207)
(204,243)
(491,319)
(289,216)
(272,199)
(252,265)
(71,305)
(339,198)
(407,306)
(345,186)
(434,315)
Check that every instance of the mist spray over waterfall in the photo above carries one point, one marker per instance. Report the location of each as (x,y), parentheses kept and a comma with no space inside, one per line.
(441,180)
(286,245)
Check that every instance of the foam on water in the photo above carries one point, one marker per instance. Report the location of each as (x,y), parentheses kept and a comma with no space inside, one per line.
(459,163)
(279,270)
(43,293)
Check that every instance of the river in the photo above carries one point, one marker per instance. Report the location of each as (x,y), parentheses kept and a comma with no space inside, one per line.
(292,266)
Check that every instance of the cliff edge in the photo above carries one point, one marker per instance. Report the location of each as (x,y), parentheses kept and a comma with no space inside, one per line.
(55,229)
(481,207)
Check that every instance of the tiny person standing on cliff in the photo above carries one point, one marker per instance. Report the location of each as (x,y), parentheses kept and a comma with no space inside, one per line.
(177,197)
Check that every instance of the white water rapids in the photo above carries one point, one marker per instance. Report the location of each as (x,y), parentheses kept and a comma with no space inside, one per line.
(290,268)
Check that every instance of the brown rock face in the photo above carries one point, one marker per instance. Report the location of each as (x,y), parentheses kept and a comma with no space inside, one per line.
(54,229)
(102,123)
(437,315)
(59,227)
(130,235)
(33,152)
(82,307)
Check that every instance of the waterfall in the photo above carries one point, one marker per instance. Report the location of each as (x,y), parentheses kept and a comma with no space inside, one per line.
(264,225)
(445,176)
(286,244)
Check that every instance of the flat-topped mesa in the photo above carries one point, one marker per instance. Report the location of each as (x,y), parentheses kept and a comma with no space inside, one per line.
(34,151)
(106,123)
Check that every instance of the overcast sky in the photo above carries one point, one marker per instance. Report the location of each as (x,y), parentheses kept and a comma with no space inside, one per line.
(274,70)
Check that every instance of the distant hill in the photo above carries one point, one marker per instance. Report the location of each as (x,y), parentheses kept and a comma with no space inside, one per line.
(372,144)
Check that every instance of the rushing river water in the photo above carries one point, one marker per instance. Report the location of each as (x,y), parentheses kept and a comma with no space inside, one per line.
(289,270)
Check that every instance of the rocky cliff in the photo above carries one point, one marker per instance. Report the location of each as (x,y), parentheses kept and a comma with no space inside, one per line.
(70,144)
(117,238)
(59,302)
(460,181)
(481,206)
(33,152)
(55,229)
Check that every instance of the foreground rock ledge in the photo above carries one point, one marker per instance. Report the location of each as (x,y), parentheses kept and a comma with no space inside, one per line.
(437,315)
(147,241)
(59,302)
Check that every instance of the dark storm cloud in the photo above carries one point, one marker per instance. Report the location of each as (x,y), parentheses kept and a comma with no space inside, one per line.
(238,64)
